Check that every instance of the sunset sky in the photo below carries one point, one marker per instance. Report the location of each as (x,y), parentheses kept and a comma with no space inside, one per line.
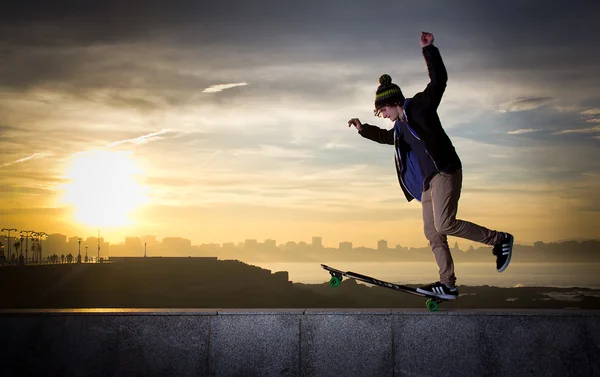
(222,121)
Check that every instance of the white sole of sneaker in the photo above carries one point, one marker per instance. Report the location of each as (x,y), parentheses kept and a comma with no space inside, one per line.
(512,240)
(440,295)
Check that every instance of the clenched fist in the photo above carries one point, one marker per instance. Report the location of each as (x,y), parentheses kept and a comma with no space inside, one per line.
(426,39)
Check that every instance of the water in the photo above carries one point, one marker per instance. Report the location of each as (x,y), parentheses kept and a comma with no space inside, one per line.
(584,275)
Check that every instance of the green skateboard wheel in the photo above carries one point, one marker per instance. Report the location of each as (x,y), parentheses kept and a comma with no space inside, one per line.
(335,281)
(432,305)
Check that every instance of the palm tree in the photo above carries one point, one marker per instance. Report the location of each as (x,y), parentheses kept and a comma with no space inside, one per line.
(17,246)
(2,257)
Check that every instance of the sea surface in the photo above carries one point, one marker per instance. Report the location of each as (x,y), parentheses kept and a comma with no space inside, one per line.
(582,275)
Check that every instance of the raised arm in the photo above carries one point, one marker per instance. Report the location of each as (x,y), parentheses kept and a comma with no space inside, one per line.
(432,95)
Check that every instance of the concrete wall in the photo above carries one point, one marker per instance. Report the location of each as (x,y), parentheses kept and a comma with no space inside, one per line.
(299,343)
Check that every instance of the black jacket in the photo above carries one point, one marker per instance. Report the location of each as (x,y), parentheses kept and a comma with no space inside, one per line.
(423,119)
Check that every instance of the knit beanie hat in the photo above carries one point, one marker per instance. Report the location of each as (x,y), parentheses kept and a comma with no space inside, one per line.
(387,94)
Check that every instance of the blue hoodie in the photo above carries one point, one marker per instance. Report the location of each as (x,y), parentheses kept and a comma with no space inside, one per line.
(418,167)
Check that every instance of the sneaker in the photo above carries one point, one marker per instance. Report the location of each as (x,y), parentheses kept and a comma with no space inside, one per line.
(440,290)
(503,251)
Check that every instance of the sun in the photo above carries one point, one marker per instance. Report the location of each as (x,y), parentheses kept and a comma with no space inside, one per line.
(102,188)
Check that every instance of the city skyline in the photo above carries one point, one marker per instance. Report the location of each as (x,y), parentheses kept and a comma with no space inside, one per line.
(315,241)
(229,122)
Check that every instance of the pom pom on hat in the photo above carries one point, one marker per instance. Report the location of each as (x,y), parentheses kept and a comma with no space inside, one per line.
(385,79)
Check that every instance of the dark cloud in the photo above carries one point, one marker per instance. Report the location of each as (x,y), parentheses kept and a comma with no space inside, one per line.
(525,104)
(123,44)
(546,120)
(182,21)
(499,24)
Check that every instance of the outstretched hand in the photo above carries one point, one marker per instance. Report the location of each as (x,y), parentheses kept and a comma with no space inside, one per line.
(356,123)
(426,39)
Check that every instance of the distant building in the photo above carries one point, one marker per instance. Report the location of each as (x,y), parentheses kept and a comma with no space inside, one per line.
(382,245)
(270,244)
(134,245)
(150,241)
(345,246)
(72,246)
(176,245)
(251,244)
(93,249)
(55,244)
(208,246)
(317,243)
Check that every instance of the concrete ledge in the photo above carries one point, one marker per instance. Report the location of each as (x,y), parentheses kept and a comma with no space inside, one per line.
(299,342)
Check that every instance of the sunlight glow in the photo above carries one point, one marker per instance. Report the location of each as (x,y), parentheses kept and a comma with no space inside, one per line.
(102,188)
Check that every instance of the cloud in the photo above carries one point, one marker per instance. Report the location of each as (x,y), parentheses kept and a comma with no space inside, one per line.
(567,107)
(210,158)
(221,87)
(523,131)
(112,73)
(595,111)
(144,139)
(337,145)
(139,140)
(35,155)
(278,151)
(524,104)
(581,130)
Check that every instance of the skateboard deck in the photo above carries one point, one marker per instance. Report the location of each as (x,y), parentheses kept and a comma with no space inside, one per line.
(337,276)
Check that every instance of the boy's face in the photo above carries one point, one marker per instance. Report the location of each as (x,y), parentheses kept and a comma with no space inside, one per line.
(390,112)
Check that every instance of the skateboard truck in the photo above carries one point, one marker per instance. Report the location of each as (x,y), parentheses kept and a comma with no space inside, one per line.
(336,279)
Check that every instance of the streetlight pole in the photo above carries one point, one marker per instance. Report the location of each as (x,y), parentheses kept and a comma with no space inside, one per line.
(36,256)
(27,234)
(98,259)
(9,230)
(86,257)
(33,253)
(41,234)
(79,252)
(21,250)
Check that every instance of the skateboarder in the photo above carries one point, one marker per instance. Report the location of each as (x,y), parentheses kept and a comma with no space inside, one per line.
(429,169)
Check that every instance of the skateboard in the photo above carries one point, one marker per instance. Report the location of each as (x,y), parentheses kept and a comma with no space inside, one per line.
(337,275)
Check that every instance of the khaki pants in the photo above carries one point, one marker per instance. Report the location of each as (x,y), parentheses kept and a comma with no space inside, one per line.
(440,205)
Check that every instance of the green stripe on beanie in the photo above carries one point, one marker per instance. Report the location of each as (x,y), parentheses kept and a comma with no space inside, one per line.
(388,94)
